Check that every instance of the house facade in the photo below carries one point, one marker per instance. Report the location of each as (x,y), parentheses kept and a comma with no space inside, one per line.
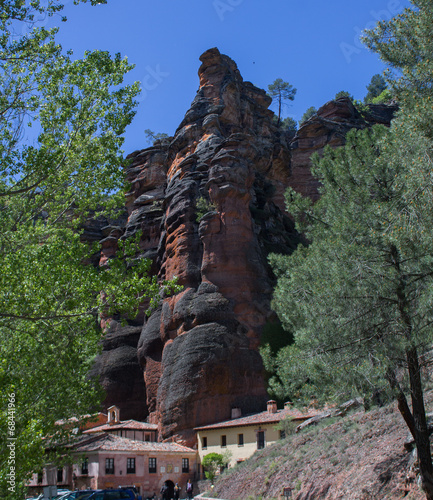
(243,436)
(110,461)
(116,453)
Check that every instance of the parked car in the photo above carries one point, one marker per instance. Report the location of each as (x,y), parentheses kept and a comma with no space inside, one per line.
(62,492)
(131,490)
(78,495)
(110,495)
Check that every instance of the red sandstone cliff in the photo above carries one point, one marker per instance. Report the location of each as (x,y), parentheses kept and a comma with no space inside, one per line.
(197,356)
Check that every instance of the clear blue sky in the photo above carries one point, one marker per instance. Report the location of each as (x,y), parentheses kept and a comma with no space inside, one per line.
(313,44)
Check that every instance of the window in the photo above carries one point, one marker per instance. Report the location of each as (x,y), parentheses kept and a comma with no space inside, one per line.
(130,465)
(260,440)
(109,466)
(185,465)
(85,467)
(60,475)
(240,439)
(40,474)
(282,434)
(223,441)
(204,443)
(152,465)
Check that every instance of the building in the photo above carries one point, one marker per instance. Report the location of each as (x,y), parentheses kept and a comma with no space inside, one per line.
(131,429)
(243,436)
(109,461)
(110,453)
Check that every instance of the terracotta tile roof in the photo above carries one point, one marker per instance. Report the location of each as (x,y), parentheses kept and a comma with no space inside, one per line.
(264,417)
(110,442)
(124,425)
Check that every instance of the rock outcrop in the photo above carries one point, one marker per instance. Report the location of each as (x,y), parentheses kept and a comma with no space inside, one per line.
(209,204)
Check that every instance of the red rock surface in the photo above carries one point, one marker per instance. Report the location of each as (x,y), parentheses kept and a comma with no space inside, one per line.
(198,353)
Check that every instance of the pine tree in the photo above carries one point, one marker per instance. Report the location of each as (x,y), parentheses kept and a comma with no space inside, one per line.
(376,86)
(358,297)
(282,91)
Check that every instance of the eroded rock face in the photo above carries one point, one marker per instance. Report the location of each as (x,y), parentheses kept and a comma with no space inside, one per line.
(210,205)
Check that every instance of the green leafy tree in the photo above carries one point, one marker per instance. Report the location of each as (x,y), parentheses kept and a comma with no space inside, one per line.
(289,124)
(151,136)
(281,91)
(383,97)
(376,86)
(344,93)
(61,126)
(311,111)
(358,297)
(405,44)
(212,464)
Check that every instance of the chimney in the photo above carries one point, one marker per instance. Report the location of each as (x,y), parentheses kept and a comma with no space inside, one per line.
(272,406)
(236,412)
(113,415)
(288,405)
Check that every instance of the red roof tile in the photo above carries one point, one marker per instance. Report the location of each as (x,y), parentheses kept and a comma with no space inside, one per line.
(110,442)
(264,417)
(126,424)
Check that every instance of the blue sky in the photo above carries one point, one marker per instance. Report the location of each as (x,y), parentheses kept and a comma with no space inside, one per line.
(312,44)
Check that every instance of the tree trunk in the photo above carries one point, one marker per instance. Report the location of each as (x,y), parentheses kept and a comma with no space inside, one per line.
(421,434)
(422,439)
(403,407)
(280,99)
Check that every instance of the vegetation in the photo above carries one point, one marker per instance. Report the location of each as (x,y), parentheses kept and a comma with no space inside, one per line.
(61,126)
(375,88)
(383,97)
(152,137)
(358,297)
(213,463)
(311,111)
(281,91)
(289,124)
(344,93)
(203,206)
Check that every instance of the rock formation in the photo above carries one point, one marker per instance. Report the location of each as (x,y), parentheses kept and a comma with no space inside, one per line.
(209,204)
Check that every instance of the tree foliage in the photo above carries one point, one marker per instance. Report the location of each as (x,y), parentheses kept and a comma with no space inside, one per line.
(61,126)
(376,86)
(213,463)
(281,91)
(289,124)
(358,297)
(151,136)
(311,111)
(344,93)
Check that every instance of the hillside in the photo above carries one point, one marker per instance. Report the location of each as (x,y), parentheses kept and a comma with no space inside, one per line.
(358,457)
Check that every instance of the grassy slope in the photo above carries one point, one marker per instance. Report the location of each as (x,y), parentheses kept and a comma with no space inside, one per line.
(360,456)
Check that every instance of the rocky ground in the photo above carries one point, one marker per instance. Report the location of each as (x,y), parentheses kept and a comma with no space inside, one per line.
(358,457)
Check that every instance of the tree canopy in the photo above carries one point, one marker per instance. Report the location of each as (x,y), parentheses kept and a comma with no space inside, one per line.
(311,111)
(358,297)
(212,464)
(376,86)
(282,91)
(61,126)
